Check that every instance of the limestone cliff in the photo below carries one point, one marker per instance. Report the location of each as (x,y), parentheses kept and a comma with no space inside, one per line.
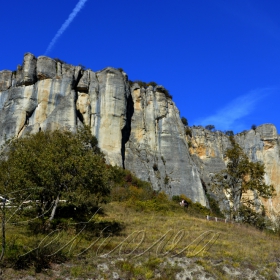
(139,129)
(262,144)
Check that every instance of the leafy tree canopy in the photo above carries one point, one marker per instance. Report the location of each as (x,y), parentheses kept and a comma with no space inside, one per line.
(239,179)
(49,166)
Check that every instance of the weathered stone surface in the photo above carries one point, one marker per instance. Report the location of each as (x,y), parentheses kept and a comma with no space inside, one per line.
(157,150)
(83,84)
(141,131)
(29,69)
(18,104)
(207,149)
(46,68)
(137,128)
(109,112)
(5,80)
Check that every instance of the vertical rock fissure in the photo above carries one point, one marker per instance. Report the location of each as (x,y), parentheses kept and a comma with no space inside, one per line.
(127,128)
(74,87)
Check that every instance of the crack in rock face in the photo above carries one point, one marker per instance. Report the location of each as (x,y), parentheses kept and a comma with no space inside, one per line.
(136,127)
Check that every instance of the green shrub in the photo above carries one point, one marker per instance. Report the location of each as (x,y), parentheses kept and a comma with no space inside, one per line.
(41,257)
(166,180)
(184,121)
(188,131)
(249,216)
(165,91)
(214,207)
(99,228)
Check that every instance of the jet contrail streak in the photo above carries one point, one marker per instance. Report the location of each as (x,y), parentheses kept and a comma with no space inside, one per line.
(64,26)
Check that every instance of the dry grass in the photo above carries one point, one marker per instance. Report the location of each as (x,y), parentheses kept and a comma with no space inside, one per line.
(149,238)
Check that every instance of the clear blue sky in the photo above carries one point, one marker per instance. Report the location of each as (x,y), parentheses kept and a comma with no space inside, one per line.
(220,59)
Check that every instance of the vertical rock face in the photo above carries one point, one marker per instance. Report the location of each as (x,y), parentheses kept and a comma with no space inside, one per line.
(262,144)
(139,129)
(157,150)
(5,80)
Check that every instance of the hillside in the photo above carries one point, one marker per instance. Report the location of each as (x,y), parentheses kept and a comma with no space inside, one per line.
(148,244)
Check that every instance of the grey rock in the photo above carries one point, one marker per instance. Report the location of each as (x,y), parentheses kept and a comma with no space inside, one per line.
(5,80)
(29,69)
(83,84)
(46,68)
(262,144)
(157,150)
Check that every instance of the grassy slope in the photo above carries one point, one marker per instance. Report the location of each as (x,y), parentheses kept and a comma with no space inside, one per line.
(232,251)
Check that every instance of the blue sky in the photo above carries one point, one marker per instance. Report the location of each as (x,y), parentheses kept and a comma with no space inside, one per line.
(219,59)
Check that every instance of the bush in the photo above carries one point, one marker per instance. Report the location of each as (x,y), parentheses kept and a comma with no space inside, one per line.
(141,84)
(155,167)
(214,207)
(165,91)
(210,127)
(249,216)
(99,228)
(158,203)
(254,127)
(188,131)
(41,257)
(229,133)
(184,121)
(194,208)
(83,68)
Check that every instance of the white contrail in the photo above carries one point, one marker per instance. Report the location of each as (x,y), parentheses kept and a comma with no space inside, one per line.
(64,26)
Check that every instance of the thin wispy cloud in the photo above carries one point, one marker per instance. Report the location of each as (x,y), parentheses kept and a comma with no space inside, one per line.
(225,118)
(66,24)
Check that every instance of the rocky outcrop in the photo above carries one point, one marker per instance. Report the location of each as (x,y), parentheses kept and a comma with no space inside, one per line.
(157,150)
(139,129)
(262,144)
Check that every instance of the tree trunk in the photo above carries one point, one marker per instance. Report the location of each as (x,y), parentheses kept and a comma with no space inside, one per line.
(54,208)
(3,229)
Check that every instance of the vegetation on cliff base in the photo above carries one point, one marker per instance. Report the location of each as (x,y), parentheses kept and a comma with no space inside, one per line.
(242,182)
(49,166)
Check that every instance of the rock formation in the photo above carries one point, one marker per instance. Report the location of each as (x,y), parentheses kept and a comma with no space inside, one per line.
(139,129)
(262,144)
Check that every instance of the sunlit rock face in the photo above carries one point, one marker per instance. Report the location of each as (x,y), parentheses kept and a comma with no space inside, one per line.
(139,129)
(157,150)
(262,144)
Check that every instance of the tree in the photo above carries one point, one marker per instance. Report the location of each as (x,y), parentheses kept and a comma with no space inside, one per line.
(210,127)
(229,133)
(239,179)
(254,127)
(184,121)
(49,166)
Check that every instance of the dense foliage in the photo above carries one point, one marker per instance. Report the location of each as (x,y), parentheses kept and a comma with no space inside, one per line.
(49,166)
